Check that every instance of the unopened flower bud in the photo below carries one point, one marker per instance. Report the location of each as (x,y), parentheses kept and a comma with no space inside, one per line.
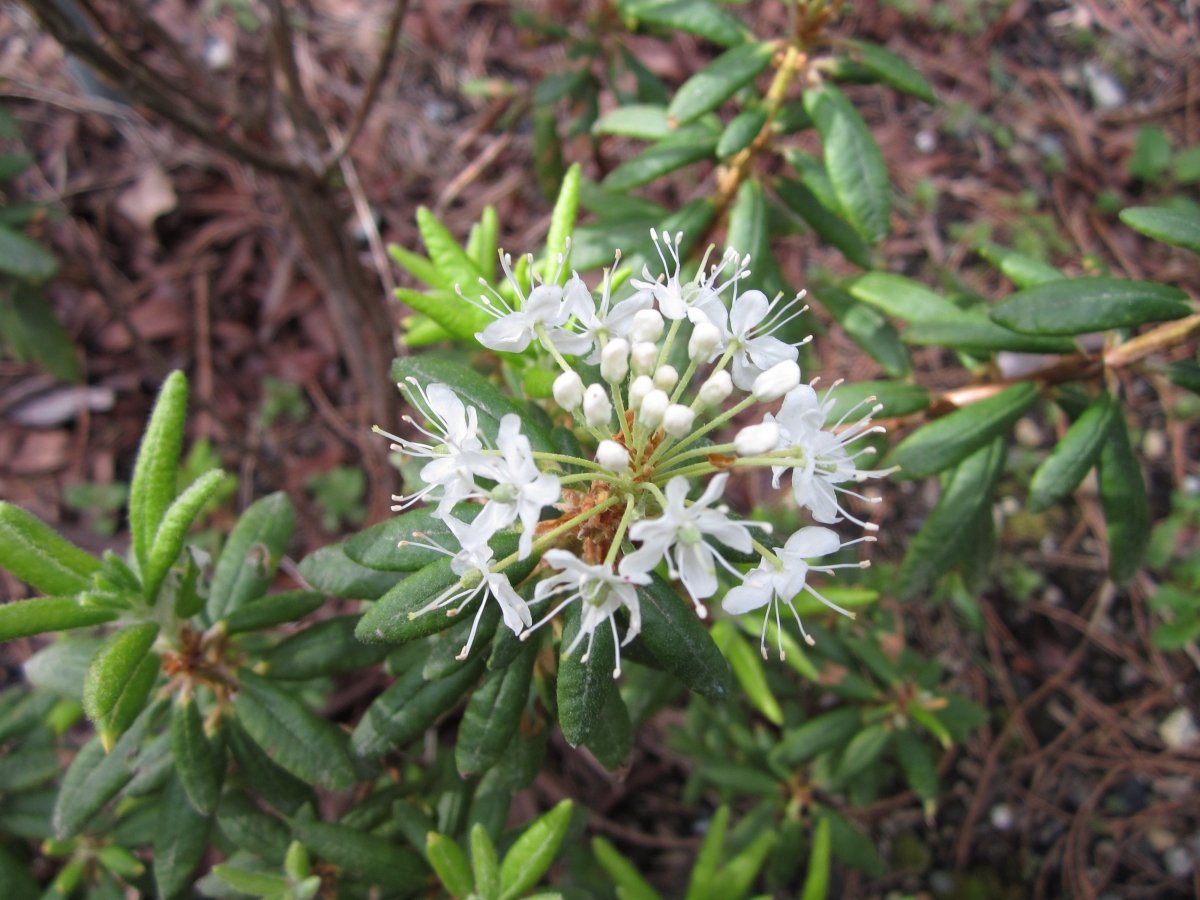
(714,391)
(755,440)
(704,342)
(642,385)
(597,408)
(677,420)
(612,456)
(776,381)
(654,407)
(568,390)
(647,326)
(614,360)
(666,377)
(643,357)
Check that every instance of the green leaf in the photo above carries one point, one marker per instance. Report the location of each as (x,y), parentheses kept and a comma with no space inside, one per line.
(267,612)
(562,224)
(22,618)
(966,496)
(1080,305)
(23,258)
(533,852)
(114,672)
(1178,227)
(892,69)
(741,132)
(686,146)
(747,669)
(180,841)
(696,17)
(902,298)
(869,329)
(629,883)
(816,882)
(1126,506)
(829,225)
(451,260)
(814,737)
(256,884)
(864,750)
(475,390)
(736,877)
(719,80)
(36,554)
(919,767)
(324,648)
(419,267)
(42,336)
(247,564)
(1022,270)
(748,229)
(644,121)
(172,531)
(611,738)
(493,714)
(329,570)
(258,773)
(709,856)
(408,707)
(679,642)
(448,310)
(854,162)
(291,734)
(450,863)
(481,244)
(898,398)
(484,864)
(975,333)
(370,857)
(382,546)
(583,686)
(198,763)
(13,164)
(947,440)
(1062,471)
(154,473)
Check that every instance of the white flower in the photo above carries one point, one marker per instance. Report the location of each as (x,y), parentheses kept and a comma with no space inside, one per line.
(706,341)
(548,306)
(568,390)
(602,592)
(597,408)
(679,536)
(678,420)
(666,377)
(718,386)
(647,326)
(642,385)
(653,408)
(755,440)
(676,298)
(602,323)
(612,456)
(643,357)
(749,329)
(776,381)
(520,491)
(782,579)
(472,563)
(826,463)
(614,360)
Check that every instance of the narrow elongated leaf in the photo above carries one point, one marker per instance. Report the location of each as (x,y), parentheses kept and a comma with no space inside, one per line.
(748,670)
(978,334)
(741,132)
(324,648)
(530,856)
(1178,227)
(387,546)
(420,267)
(451,312)
(682,149)
(368,856)
(255,884)
(562,224)
(153,484)
(21,618)
(329,570)
(24,258)
(258,773)
(1126,506)
(709,857)
(291,734)
(583,686)
(276,609)
(864,750)
(902,298)
(474,390)
(36,554)
(484,864)
(1080,305)
(919,767)
(173,529)
(481,246)
(450,863)
(966,496)
(448,256)
(816,882)
(735,878)
(1022,270)
(637,120)
(180,841)
(629,883)
(198,763)
(251,554)
(898,398)
(719,80)
(493,714)
(611,740)
(828,224)
(41,335)
(814,737)
(945,441)
(854,162)
(698,17)
(748,229)
(892,69)
(114,671)
(869,329)
(680,643)
(1061,471)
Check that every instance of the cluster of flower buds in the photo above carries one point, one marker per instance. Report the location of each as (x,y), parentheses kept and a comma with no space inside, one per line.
(628,508)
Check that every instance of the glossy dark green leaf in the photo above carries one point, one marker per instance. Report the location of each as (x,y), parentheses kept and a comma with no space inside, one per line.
(947,440)
(493,714)
(919,766)
(823,732)
(21,618)
(380,546)
(450,863)
(644,121)
(408,707)
(902,298)
(180,841)
(864,750)
(741,132)
(966,495)
(324,648)
(828,224)
(35,553)
(688,145)
(898,398)
(1080,305)
(1062,471)
(329,570)
(1126,506)
(869,330)
(24,258)
(748,228)
(1179,227)
(611,738)
(276,609)
(854,162)
(244,823)
(719,80)
(583,685)
(892,69)
(680,643)
(532,853)
(291,734)
(251,554)
(153,486)
(975,333)
(698,17)
(199,762)
(367,856)
(173,529)
(114,672)
(1022,270)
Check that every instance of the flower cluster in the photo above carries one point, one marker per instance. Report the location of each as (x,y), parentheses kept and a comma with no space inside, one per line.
(601,525)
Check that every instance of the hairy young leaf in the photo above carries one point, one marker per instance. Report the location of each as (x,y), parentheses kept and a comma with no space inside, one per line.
(629,883)
(747,669)
(533,852)
(154,473)
(484,864)
(816,882)
(173,529)
(1063,470)
(562,224)
(251,555)
(114,672)
(36,554)
(1080,305)
(21,618)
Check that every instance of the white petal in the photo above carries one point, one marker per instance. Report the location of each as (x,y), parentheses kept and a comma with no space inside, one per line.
(749,309)
(509,333)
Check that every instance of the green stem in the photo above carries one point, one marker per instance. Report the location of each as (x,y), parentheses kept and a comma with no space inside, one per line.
(550,536)
(620,534)
(567,460)
(700,432)
(540,330)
